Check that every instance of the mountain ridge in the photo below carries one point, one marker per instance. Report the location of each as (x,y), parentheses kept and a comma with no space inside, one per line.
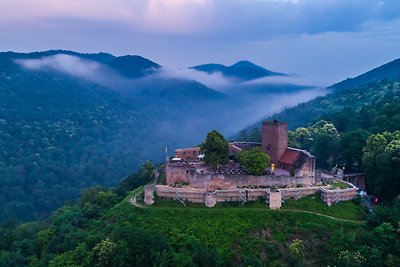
(242,70)
(389,71)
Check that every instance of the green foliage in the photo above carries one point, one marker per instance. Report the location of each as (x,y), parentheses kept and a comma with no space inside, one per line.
(60,134)
(296,252)
(80,256)
(215,148)
(350,259)
(380,161)
(339,184)
(134,180)
(255,161)
(313,203)
(199,236)
(104,252)
(172,236)
(341,122)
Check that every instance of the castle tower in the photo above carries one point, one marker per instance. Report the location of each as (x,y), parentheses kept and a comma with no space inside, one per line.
(274,139)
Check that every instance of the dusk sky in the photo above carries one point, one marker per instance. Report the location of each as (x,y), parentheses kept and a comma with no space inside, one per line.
(323,40)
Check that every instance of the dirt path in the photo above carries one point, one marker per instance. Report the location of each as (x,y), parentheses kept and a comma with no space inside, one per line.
(326,216)
(139,190)
(135,194)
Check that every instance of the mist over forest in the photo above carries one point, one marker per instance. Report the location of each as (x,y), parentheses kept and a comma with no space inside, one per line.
(71,120)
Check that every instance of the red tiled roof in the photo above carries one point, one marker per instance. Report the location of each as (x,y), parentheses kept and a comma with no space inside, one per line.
(290,156)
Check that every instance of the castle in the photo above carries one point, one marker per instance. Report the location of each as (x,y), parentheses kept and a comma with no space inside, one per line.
(292,174)
(291,166)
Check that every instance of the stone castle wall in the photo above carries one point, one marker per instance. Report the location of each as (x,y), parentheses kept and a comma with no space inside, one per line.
(295,193)
(189,174)
(330,196)
(194,195)
(308,167)
(202,195)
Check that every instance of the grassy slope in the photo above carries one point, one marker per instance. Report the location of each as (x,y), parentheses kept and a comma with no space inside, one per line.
(343,210)
(239,231)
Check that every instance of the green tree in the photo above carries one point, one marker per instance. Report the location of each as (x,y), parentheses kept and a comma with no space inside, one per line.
(303,137)
(255,161)
(351,149)
(104,252)
(350,259)
(393,149)
(381,179)
(296,252)
(216,149)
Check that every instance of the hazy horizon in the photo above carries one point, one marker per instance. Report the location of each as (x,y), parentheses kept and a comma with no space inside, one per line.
(322,41)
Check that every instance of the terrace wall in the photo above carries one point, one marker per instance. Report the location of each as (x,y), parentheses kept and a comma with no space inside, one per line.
(195,195)
(330,196)
(190,174)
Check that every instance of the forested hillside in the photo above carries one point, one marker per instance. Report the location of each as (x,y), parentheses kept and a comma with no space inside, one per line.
(70,120)
(60,133)
(357,129)
(388,71)
(105,229)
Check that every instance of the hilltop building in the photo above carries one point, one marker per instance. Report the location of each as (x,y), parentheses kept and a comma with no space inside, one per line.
(292,174)
(292,166)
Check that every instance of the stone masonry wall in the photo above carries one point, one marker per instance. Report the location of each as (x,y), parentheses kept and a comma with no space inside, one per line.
(200,195)
(188,174)
(211,198)
(330,196)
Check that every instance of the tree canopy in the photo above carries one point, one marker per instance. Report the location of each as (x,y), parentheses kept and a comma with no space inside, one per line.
(215,149)
(255,161)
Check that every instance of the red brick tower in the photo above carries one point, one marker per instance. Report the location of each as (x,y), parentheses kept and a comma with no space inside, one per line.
(274,139)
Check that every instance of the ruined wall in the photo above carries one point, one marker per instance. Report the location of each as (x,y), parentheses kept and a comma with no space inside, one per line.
(243,180)
(240,195)
(191,194)
(188,153)
(201,195)
(179,173)
(336,195)
(357,179)
(274,139)
(200,178)
(149,194)
(300,192)
(275,200)
(308,168)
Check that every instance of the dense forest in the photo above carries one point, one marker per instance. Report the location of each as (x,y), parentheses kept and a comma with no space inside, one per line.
(57,141)
(104,229)
(60,133)
(69,121)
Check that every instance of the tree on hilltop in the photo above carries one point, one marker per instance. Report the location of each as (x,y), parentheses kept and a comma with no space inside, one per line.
(255,161)
(215,149)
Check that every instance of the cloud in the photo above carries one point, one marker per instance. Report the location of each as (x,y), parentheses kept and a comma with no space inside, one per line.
(222,83)
(267,105)
(75,67)
(219,18)
(215,80)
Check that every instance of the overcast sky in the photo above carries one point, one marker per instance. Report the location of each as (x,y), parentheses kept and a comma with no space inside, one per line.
(323,40)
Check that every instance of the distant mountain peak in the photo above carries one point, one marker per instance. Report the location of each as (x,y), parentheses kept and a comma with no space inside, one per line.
(243,70)
(388,71)
(245,64)
(133,66)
